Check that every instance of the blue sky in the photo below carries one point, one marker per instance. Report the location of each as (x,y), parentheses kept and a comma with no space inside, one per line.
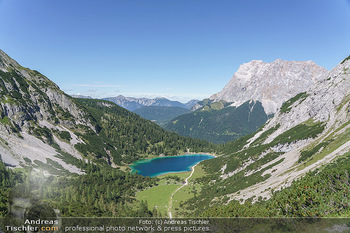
(181,49)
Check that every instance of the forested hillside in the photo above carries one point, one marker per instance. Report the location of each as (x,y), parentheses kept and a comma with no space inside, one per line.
(129,136)
(218,123)
(102,191)
(160,114)
(320,193)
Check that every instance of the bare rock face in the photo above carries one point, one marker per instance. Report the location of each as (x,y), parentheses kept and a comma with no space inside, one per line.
(270,83)
(322,102)
(28,95)
(29,104)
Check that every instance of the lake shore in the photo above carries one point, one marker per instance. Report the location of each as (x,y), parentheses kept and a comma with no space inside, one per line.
(184,153)
(204,153)
(168,164)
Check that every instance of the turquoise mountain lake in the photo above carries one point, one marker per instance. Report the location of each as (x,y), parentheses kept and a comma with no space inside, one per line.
(163,165)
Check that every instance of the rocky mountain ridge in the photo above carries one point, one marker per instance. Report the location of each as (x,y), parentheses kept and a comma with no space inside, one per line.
(31,105)
(270,83)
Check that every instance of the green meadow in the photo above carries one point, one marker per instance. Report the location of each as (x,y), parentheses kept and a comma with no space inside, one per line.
(159,196)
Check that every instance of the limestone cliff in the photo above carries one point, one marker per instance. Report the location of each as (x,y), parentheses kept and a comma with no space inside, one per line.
(270,83)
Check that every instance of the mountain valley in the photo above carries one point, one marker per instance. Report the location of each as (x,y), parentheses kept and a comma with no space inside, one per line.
(294,163)
(46,133)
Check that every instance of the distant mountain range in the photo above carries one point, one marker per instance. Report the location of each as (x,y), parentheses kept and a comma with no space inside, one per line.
(158,110)
(132,103)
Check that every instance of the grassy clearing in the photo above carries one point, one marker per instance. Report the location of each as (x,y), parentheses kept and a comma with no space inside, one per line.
(198,172)
(158,196)
(181,175)
(189,191)
(181,196)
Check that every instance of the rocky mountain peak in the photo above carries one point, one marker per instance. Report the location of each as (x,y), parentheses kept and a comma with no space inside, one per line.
(270,83)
